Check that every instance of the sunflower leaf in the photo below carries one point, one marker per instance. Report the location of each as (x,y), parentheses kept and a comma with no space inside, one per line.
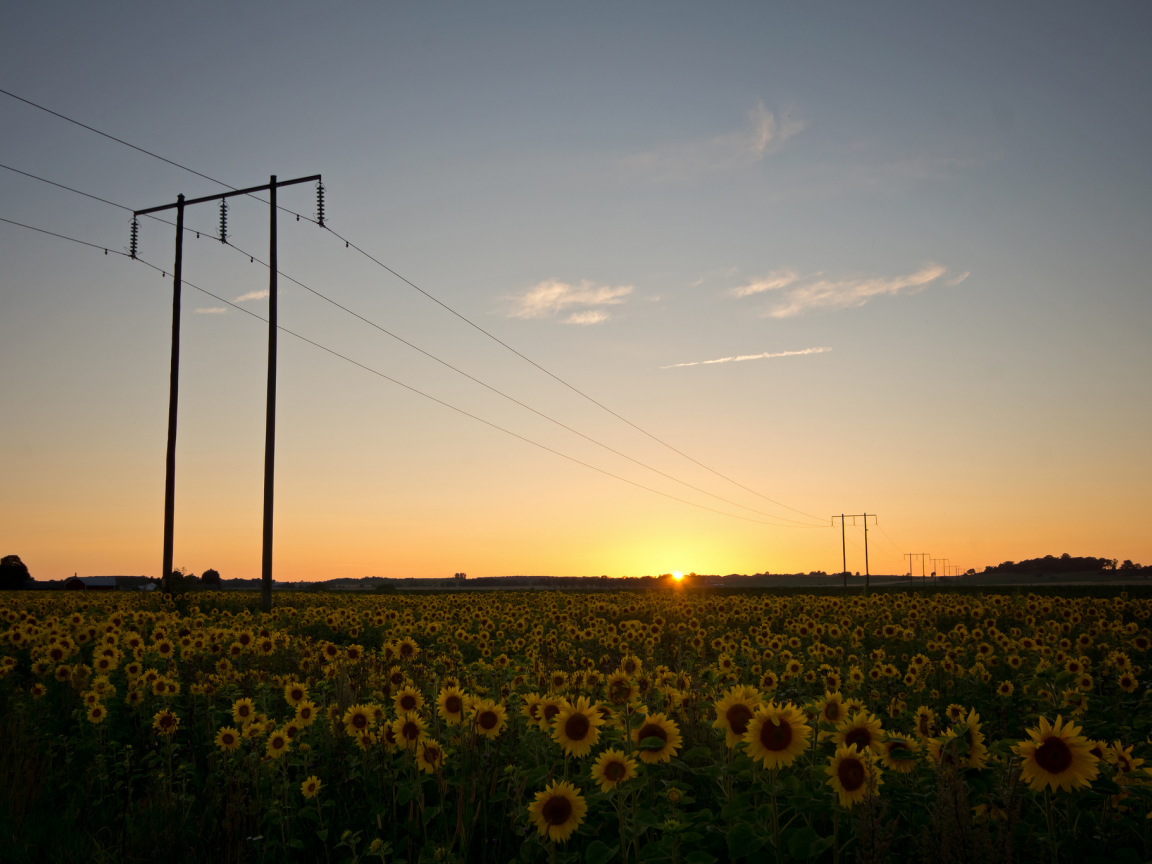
(599,852)
(651,743)
(743,841)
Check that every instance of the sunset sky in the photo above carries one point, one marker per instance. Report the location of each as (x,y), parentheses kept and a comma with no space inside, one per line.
(891,257)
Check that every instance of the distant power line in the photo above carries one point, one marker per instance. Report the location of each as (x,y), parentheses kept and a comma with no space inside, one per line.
(435,358)
(349,244)
(418,392)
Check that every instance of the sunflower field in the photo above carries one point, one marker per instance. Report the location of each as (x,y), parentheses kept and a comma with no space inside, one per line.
(679,726)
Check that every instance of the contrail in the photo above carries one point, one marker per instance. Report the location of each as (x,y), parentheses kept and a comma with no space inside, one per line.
(750,357)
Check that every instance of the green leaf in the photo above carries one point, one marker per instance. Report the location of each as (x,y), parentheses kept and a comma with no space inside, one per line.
(743,841)
(696,753)
(600,853)
(296,844)
(431,813)
(323,835)
(800,843)
(645,817)
(699,857)
(308,813)
(651,743)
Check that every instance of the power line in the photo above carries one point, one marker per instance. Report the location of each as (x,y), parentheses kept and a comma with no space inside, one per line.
(402,384)
(141,149)
(349,244)
(555,377)
(437,359)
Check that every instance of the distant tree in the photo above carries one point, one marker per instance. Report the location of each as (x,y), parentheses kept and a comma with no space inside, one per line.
(13,572)
(210,577)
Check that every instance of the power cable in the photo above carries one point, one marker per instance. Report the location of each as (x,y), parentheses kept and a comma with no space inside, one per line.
(402,384)
(349,244)
(438,360)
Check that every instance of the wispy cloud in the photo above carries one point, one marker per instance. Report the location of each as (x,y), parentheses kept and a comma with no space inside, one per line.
(687,161)
(743,357)
(253,295)
(813,293)
(592,316)
(214,310)
(552,297)
(775,279)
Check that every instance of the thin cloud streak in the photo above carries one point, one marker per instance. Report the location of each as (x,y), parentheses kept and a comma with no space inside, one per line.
(254,295)
(683,162)
(214,310)
(743,357)
(552,297)
(774,280)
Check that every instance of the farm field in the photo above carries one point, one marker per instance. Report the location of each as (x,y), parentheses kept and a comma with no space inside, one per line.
(675,726)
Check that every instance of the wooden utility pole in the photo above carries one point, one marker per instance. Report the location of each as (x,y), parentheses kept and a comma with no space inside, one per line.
(843,543)
(174,382)
(270,414)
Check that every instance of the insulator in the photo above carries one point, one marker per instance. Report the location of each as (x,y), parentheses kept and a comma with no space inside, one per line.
(320,204)
(297,217)
(223,221)
(135,236)
(197,235)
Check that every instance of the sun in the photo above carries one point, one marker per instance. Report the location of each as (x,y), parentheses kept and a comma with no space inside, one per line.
(677,575)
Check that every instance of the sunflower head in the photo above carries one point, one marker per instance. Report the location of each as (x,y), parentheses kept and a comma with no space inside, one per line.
(735,711)
(777,734)
(657,737)
(558,811)
(613,768)
(853,774)
(228,739)
(577,727)
(489,717)
(310,788)
(1057,756)
(861,730)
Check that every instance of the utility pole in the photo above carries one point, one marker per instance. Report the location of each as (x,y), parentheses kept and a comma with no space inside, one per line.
(270,417)
(936,568)
(844,547)
(923,556)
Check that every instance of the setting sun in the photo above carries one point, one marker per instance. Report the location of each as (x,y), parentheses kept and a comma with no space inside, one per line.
(677,575)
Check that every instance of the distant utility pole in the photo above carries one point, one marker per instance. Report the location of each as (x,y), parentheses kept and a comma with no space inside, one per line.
(174,374)
(936,568)
(844,547)
(923,556)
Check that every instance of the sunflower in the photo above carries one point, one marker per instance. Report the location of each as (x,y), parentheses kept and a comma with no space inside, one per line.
(531,707)
(407,649)
(408,729)
(853,775)
(660,727)
(734,711)
(558,811)
(612,768)
(243,710)
(165,722)
(97,713)
(769,682)
(1122,758)
(577,728)
(429,756)
(306,713)
(450,705)
(357,719)
(955,713)
(831,708)
(295,693)
(777,734)
(278,743)
(898,754)
(1057,757)
(968,729)
(550,706)
(1127,682)
(621,689)
(228,739)
(925,719)
(861,730)
(1005,689)
(310,788)
(490,717)
(408,699)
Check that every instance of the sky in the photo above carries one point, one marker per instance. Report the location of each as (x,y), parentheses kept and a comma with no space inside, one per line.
(821,258)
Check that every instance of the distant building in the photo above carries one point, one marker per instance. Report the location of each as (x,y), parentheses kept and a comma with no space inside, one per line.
(90,583)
